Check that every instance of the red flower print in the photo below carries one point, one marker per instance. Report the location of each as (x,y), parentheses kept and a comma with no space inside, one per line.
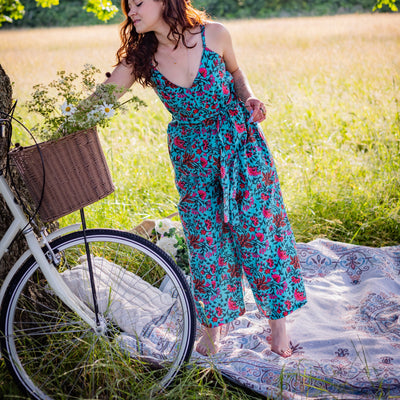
(179,143)
(266,213)
(231,288)
(202,194)
(264,196)
(268,178)
(295,262)
(194,241)
(295,280)
(203,72)
(277,278)
(199,285)
(261,283)
(244,240)
(279,220)
(254,220)
(188,160)
(278,238)
(228,138)
(203,162)
(260,236)
(234,271)
(282,254)
(209,240)
(219,311)
(240,128)
(225,90)
(299,296)
(232,304)
(253,171)
(182,185)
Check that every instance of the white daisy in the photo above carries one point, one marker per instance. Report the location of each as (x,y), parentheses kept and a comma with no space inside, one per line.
(108,110)
(67,109)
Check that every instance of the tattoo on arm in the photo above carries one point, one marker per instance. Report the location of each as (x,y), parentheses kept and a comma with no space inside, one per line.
(242,86)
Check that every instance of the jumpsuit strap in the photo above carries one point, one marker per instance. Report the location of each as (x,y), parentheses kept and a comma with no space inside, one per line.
(203,36)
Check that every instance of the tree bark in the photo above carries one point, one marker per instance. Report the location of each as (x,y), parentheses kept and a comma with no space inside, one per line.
(19,245)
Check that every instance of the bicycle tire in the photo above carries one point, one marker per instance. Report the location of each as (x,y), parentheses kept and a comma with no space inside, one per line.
(53,354)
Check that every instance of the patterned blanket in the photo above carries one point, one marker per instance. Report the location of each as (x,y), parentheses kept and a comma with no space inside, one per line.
(346,340)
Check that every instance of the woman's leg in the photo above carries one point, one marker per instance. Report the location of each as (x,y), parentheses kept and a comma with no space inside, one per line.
(208,343)
(280,343)
(266,242)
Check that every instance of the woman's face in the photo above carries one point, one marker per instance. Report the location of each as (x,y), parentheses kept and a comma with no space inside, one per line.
(146,15)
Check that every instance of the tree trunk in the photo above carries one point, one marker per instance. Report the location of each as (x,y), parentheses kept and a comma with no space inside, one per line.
(19,245)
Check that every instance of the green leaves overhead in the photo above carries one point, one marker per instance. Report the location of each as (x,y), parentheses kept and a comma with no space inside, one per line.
(11,10)
(102,9)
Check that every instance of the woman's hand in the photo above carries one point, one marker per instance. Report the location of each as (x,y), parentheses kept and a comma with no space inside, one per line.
(256,108)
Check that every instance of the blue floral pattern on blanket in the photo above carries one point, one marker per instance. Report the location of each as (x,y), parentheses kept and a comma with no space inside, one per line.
(346,340)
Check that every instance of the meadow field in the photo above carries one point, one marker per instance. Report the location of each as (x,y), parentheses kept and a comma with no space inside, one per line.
(332,85)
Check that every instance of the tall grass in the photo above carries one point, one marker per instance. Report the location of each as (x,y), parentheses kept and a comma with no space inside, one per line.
(332,86)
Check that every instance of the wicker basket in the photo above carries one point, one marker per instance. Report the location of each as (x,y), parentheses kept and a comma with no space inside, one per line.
(76,173)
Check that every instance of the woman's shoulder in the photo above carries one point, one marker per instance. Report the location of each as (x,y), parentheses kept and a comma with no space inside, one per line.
(217,29)
(217,36)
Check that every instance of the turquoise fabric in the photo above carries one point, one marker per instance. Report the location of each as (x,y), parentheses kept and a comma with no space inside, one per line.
(231,205)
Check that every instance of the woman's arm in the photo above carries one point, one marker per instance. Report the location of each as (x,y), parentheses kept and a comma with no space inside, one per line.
(121,77)
(219,39)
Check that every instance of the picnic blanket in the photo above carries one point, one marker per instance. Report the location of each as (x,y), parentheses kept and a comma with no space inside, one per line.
(346,340)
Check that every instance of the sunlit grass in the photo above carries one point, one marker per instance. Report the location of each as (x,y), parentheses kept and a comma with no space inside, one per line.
(332,86)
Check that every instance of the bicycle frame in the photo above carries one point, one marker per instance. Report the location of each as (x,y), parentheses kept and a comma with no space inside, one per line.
(20,223)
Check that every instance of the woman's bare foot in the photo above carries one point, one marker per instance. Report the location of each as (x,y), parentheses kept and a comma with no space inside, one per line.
(208,344)
(280,343)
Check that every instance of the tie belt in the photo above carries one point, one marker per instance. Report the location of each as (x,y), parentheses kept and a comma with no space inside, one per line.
(229,171)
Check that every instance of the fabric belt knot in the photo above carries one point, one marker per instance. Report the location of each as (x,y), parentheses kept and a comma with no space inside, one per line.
(230,144)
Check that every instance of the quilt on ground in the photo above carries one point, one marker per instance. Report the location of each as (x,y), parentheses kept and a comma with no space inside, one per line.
(346,340)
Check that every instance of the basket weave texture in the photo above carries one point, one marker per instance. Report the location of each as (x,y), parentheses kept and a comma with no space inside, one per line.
(76,173)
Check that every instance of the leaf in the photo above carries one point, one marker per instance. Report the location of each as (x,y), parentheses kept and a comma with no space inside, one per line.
(11,10)
(48,3)
(102,9)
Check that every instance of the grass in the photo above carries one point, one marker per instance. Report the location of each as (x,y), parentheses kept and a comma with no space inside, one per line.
(332,86)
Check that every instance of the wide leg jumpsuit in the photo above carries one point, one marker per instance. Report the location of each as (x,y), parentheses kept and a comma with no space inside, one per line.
(230,205)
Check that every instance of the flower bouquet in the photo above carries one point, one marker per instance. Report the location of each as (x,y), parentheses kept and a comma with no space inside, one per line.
(68,171)
(67,107)
(169,237)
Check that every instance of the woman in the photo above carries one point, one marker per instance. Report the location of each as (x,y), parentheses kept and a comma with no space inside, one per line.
(230,203)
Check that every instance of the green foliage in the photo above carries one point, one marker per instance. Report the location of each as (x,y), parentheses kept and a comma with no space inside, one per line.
(11,10)
(261,9)
(389,3)
(67,13)
(104,10)
(67,108)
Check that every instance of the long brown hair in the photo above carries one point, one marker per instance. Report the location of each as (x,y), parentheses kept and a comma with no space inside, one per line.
(138,49)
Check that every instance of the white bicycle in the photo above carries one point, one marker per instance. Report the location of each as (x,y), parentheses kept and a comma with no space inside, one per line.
(91,313)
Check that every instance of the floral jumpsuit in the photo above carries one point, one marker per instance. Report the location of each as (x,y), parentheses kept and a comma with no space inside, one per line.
(230,205)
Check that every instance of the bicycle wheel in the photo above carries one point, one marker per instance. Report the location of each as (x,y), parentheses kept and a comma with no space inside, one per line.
(144,299)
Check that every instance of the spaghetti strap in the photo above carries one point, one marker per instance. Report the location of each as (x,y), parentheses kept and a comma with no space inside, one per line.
(203,36)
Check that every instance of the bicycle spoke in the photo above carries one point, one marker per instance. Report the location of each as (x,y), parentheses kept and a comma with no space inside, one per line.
(56,355)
